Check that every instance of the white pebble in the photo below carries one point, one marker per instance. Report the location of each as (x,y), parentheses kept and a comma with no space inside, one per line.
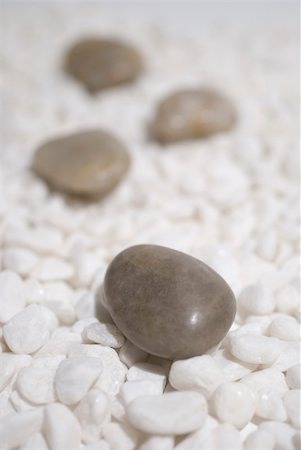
(34,291)
(85,265)
(289,356)
(234,403)
(80,325)
(287,299)
(120,436)
(257,299)
(92,412)
(103,333)
(130,354)
(267,379)
(282,432)
(146,371)
(12,298)
(200,373)
(133,389)
(292,405)
(35,442)
(158,443)
(7,370)
(286,328)
(16,428)
(99,445)
(28,330)
(260,439)
(171,413)
(40,239)
(19,260)
(36,384)
(293,377)
(62,429)
(254,349)
(270,405)
(232,368)
(75,376)
(60,342)
(52,268)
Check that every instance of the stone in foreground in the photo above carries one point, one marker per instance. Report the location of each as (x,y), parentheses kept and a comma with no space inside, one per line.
(192,114)
(168,303)
(89,163)
(103,63)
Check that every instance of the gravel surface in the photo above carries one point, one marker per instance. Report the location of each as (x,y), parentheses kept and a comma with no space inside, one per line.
(68,381)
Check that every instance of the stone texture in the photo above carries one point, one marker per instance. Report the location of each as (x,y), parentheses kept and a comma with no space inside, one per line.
(191,114)
(168,303)
(103,63)
(89,163)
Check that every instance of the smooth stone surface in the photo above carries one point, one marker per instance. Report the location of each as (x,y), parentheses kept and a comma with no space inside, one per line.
(168,303)
(88,163)
(191,114)
(102,63)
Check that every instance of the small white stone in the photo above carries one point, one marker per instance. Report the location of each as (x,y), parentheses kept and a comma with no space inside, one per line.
(60,342)
(28,330)
(158,443)
(99,445)
(62,429)
(260,439)
(146,371)
(232,368)
(130,354)
(85,307)
(289,356)
(292,405)
(75,376)
(36,384)
(133,389)
(234,403)
(257,299)
(80,325)
(35,442)
(293,377)
(120,436)
(270,405)
(105,334)
(34,291)
(282,432)
(40,239)
(52,268)
(16,428)
(85,265)
(117,408)
(267,244)
(267,379)
(92,412)
(12,298)
(263,322)
(171,413)
(287,300)
(200,373)
(58,291)
(19,403)
(254,349)
(285,327)
(19,260)
(65,312)
(7,370)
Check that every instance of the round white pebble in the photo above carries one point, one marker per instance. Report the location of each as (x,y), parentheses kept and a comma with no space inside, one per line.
(103,333)
(286,328)
(260,439)
(257,299)
(12,297)
(62,429)
(254,349)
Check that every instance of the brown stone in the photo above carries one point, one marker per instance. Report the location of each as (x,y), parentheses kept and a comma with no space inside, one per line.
(102,63)
(89,163)
(191,114)
(168,303)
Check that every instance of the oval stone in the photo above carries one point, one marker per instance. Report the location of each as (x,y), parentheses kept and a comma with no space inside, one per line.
(168,303)
(191,114)
(102,63)
(89,163)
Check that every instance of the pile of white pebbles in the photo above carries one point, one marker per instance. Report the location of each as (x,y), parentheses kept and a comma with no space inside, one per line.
(69,381)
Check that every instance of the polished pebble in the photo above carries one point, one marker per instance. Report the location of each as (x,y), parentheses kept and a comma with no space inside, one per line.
(171,413)
(89,163)
(102,63)
(191,114)
(155,294)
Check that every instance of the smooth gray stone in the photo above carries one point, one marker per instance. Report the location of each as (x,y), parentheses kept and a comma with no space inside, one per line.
(168,303)
(89,163)
(103,63)
(192,114)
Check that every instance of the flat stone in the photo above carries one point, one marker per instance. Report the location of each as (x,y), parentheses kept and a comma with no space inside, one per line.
(192,113)
(89,163)
(103,63)
(168,303)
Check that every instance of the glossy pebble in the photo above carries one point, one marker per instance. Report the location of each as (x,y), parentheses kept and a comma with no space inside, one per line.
(88,163)
(191,114)
(168,303)
(102,63)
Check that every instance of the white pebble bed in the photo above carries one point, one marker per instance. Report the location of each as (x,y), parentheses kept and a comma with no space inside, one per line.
(71,381)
